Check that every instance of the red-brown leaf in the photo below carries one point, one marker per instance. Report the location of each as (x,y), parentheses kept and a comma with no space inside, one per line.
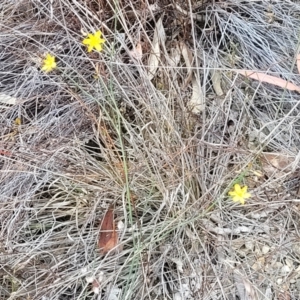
(108,238)
(260,76)
(5,153)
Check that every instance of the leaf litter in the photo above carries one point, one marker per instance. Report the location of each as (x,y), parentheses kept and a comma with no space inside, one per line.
(65,170)
(108,238)
(158,41)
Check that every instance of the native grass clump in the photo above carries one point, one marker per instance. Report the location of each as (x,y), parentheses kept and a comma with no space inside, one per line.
(149,150)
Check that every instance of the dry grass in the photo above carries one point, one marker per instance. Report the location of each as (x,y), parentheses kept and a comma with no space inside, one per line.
(102,130)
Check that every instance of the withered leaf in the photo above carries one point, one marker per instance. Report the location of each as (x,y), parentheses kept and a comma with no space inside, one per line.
(276,164)
(108,238)
(262,77)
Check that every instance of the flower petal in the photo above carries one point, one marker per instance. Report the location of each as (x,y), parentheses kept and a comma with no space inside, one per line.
(247,195)
(98,34)
(85,41)
(236,199)
(98,47)
(237,188)
(244,189)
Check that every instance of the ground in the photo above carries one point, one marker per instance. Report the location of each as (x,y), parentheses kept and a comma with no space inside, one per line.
(116,163)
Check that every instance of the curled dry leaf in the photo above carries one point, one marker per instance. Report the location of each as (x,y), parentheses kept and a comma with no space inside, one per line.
(108,238)
(269,79)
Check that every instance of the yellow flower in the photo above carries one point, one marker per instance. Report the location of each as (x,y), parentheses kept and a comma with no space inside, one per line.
(239,194)
(94,41)
(18,121)
(49,63)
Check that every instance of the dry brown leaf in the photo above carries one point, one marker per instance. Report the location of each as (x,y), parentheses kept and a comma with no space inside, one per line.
(174,57)
(137,52)
(279,161)
(154,58)
(108,235)
(5,153)
(196,103)
(262,77)
(6,99)
(188,59)
(259,264)
(276,164)
(244,287)
(216,81)
(298,63)
(284,295)
(250,291)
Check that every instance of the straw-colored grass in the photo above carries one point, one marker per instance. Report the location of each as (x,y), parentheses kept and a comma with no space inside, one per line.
(160,126)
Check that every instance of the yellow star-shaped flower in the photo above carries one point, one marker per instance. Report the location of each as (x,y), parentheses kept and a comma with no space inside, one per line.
(94,41)
(49,63)
(239,194)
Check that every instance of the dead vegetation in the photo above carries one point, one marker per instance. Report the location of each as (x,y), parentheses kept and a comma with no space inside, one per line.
(147,137)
